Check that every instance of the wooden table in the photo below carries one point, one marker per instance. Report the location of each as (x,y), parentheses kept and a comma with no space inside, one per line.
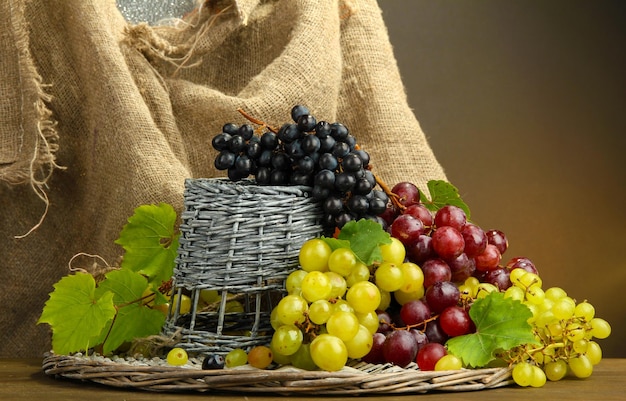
(23,379)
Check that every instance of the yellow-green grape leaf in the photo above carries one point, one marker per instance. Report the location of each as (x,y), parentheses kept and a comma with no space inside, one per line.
(134,319)
(365,237)
(76,314)
(150,241)
(501,324)
(443,193)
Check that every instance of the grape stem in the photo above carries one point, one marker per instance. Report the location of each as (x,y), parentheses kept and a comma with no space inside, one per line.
(257,121)
(395,199)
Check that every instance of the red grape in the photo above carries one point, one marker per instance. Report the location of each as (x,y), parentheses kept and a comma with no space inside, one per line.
(419,211)
(435,270)
(461,267)
(429,354)
(421,250)
(407,228)
(488,259)
(455,321)
(407,192)
(452,216)
(499,277)
(375,355)
(522,263)
(475,239)
(448,242)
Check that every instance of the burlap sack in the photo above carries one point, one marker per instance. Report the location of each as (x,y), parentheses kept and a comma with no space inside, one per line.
(128,112)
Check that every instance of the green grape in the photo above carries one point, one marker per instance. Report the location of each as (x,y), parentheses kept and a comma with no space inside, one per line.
(320,311)
(343,305)
(329,352)
(546,305)
(581,366)
(600,328)
(544,319)
(280,358)
(385,300)
(403,297)
(274,321)
(515,276)
(286,339)
(535,295)
(514,292)
(185,303)
(485,289)
(448,362)
(369,320)
(388,277)
(527,280)
(361,344)
(314,254)
(413,277)
(236,357)
(575,332)
(316,285)
(338,284)
(555,330)
(523,373)
(360,272)
(563,309)
(593,352)
(394,252)
(538,378)
(580,346)
(293,282)
(301,359)
(210,296)
(342,261)
(364,297)
(233,307)
(343,325)
(585,311)
(555,293)
(291,309)
(556,370)
(177,357)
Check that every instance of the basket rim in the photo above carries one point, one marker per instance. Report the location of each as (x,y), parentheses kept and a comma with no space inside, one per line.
(357,379)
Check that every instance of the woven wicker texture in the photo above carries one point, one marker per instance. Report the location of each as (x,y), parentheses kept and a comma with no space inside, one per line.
(360,379)
(241,240)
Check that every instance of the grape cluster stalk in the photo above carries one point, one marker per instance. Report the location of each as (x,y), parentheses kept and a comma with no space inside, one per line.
(317,154)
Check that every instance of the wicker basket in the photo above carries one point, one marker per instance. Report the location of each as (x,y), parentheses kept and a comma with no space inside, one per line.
(359,379)
(241,240)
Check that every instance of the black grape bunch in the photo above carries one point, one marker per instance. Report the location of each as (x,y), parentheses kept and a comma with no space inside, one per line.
(322,156)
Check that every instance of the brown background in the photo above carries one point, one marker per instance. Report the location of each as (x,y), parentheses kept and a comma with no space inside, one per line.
(524,104)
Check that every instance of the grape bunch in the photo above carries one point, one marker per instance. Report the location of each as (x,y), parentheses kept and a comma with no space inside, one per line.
(565,331)
(317,154)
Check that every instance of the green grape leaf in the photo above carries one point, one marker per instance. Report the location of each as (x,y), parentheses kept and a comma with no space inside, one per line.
(501,324)
(150,241)
(335,243)
(134,319)
(365,237)
(443,193)
(76,313)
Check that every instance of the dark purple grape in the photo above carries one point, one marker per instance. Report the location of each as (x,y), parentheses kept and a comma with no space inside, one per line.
(327,144)
(375,355)
(212,362)
(384,321)
(221,141)
(497,238)
(420,338)
(340,149)
(520,262)
(306,122)
(339,131)
(462,267)
(422,250)
(297,111)
(351,162)
(311,144)
(400,348)
(344,182)
(254,150)
(377,206)
(362,187)
(435,333)
(328,162)
(322,129)
(325,179)
(332,205)
(499,277)
(357,204)
(246,131)
(237,144)
(225,160)
(230,128)
(269,140)
(441,295)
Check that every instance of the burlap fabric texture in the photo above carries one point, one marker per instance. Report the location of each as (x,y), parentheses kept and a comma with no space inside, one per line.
(98,117)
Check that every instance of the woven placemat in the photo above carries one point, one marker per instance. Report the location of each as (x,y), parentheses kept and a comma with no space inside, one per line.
(358,379)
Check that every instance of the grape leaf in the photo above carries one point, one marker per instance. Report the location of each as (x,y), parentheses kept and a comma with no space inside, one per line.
(76,313)
(443,193)
(150,241)
(133,320)
(365,237)
(501,324)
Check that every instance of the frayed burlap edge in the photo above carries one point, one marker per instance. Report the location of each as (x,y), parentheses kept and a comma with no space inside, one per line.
(41,135)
